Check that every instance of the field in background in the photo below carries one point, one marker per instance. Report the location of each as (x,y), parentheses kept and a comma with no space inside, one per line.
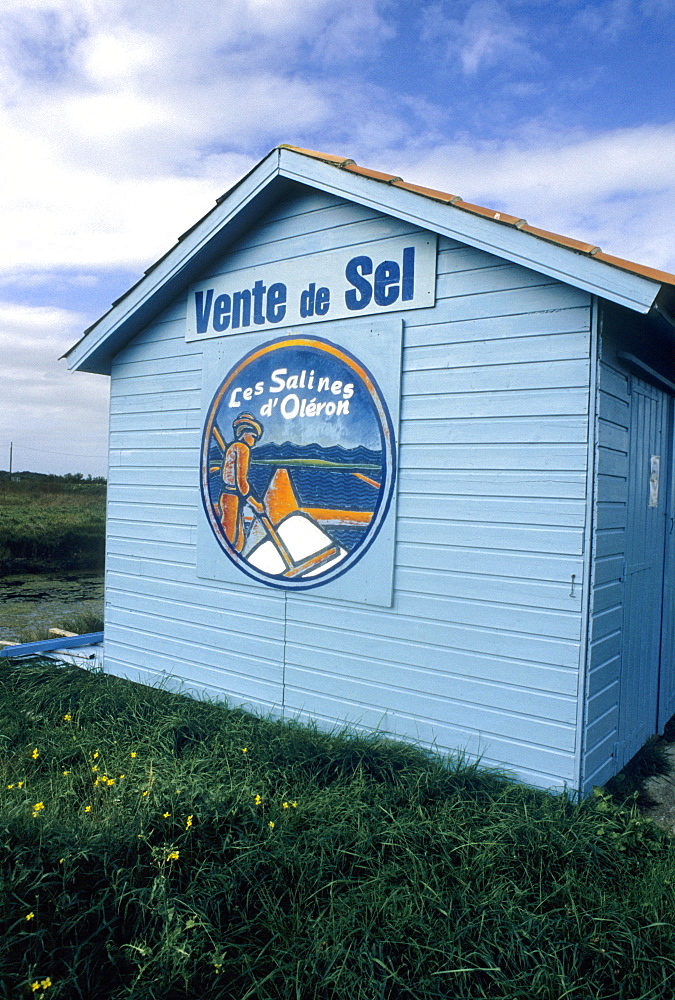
(153,846)
(51,523)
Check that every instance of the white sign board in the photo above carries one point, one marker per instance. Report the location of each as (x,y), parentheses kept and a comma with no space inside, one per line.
(367,279)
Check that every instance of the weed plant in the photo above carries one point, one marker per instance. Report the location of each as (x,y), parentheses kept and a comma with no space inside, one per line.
(154,846)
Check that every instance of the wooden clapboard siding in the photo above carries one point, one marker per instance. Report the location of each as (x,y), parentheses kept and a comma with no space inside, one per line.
(611,494)
(480,650)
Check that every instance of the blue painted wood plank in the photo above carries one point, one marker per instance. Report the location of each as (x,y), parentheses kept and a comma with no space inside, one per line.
(502,483)
(234,662)
(47,645)
(187,678)
(537,765)
(607,569)
(164,458)
(512,538)
(610,543)
(459,559)
(420,619)
(187,381)
(602,726)
(214,634)
(532,596)
(611,516)
(309,244)
(500,511)
(547,347)
(152,402)
(460,675)
(528,457)
(234,624)
(505,430)
(571,319)
(188,591)
(370,697)
(138,423)
(527,375)
(155,478)
(487,280)
(527,403)
(511,617)
(179,364)
(504,302)
(179,497)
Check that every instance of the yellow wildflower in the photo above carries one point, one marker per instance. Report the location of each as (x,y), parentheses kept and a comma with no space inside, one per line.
(95,768)
(96,755)
(109,781)
(30,916)
(67,717)
(65,773)
(121,776)
(45,983)
(294,805)
(35,986)
(258,799)
(244,749)
(285,805)
(166,815)
(146,792)
(10,786)
(87,809)
(20,784)
(38,807)
(188,822)
(173,856)
(133,754)
(61,860)
(271,825)
(35,754)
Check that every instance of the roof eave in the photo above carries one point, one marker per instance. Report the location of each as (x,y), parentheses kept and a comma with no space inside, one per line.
(496,233)
(489,231)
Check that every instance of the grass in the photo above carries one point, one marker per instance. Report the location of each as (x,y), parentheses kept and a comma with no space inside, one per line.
(54,525)
(155,846)
(80,623)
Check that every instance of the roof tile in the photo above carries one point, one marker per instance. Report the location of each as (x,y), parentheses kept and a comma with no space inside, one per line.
(376,175)
(665,277)
(489,213)
(565,241)
(340,161)
(590,249)
(427,192)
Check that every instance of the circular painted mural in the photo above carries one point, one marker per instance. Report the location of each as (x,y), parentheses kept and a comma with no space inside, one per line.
(298,462)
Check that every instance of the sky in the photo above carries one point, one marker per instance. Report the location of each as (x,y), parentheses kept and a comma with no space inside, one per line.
(121,123)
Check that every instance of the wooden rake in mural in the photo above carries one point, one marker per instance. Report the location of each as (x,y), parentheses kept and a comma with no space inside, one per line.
(296,546)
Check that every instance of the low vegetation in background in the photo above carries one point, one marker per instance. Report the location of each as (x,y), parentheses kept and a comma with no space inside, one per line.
(51,523)
(79,623)
(154,846)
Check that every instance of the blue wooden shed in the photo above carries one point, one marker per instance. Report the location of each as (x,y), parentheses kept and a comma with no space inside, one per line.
(383,457)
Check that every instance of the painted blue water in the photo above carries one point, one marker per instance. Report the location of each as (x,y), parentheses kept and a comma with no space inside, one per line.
(315,486)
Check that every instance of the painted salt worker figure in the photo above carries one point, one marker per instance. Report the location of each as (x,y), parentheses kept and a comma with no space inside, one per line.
(236,493)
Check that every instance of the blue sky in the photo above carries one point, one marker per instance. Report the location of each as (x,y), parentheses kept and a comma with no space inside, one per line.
(121,122)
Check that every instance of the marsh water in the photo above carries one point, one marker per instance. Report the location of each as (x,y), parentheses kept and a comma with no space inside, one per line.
(32,601)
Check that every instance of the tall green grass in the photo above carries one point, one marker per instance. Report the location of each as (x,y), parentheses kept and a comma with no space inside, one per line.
(53,526)
(153,846)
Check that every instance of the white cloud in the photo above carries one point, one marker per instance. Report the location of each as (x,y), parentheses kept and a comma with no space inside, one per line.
(56,420)
(486,36)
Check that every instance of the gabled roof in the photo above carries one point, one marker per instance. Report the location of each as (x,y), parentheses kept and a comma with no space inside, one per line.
(582,265)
